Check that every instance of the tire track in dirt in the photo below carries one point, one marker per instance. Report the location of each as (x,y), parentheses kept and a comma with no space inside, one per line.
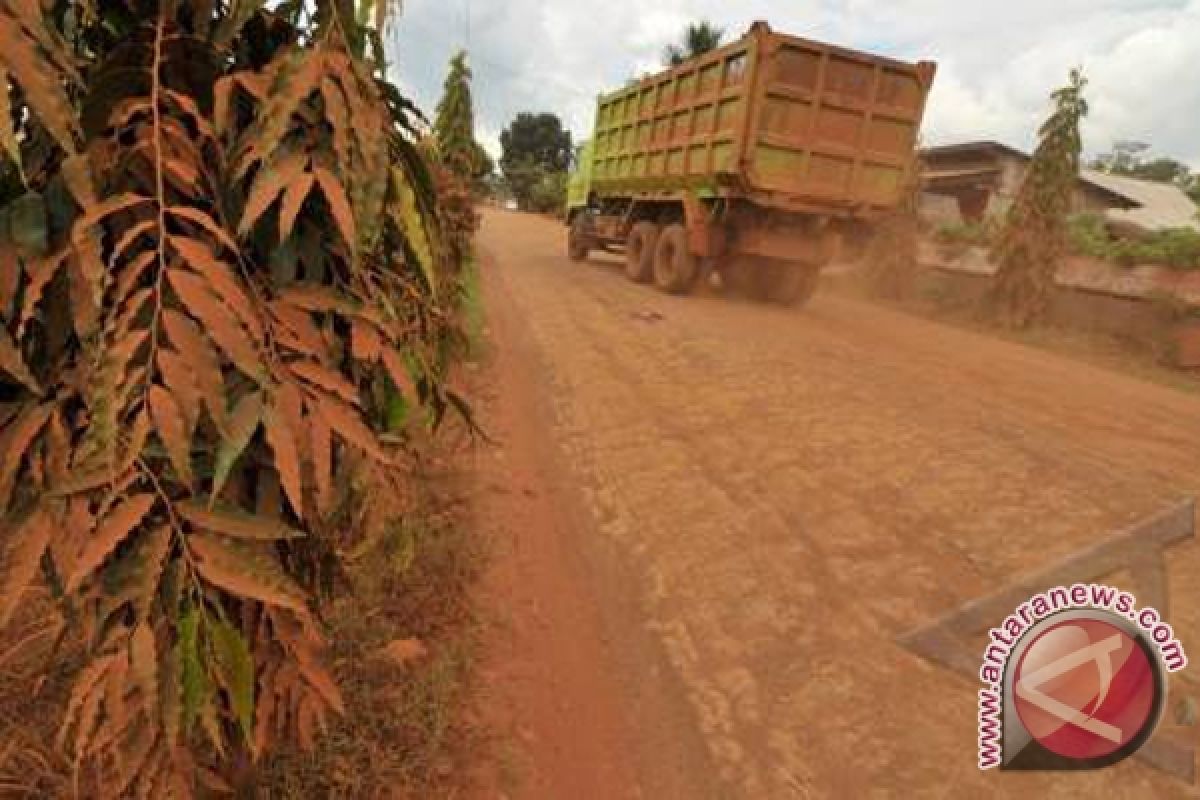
(792,490)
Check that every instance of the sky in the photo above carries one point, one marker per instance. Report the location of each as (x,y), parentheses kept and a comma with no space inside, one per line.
(997,62)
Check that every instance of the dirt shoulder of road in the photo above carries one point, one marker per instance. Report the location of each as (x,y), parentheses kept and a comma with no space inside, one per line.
(577,692)
(794,490)
(1123,354)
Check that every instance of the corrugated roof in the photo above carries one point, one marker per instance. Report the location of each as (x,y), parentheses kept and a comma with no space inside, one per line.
(1159,205)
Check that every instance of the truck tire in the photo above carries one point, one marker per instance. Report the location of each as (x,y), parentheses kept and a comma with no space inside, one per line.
(793,283)
(675,268)
(747,276)
(577,243)
(639,252)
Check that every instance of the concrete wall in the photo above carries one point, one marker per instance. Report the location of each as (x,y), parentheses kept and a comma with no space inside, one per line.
(1147,323)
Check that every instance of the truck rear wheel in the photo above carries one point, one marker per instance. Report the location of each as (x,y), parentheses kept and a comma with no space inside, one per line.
(746,276)
(577,242)
(792,283)
(675,268)
(639,252)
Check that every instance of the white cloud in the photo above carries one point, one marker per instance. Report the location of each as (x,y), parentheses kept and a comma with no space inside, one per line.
(998,62)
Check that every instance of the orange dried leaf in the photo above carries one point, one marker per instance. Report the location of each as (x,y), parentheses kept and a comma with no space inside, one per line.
(365,342)
(293,201)
(237,524)
(143,660)
(39,79)
(85,686)
(326,379)
(347,423)
(220,325)
(339,205)
(14,443)
(130,237)
(244,573)
(313,297)
(297,328)
(26,545)
(206,222)
(131,274)
(112,205)
(40,272)
(10,278)
(178,377)
(111,531)
(201,259)
(171,424)
(282,440)
(12,362)
(202,360)
(270,181)
(153,552)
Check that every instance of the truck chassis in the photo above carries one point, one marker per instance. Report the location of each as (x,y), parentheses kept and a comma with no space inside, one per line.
(677,242)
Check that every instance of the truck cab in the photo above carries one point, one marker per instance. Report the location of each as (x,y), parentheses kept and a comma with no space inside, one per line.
(579,181)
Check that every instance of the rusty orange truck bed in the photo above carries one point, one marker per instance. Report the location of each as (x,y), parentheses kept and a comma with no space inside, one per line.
(752,160)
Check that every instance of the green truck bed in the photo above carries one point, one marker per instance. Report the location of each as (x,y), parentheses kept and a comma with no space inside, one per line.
(780,120)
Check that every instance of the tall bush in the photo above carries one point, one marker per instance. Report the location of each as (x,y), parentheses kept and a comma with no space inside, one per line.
(1034,237)
(220,317)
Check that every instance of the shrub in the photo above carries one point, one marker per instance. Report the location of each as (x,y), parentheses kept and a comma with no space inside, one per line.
(549,193)
(967,234)
(1178,248)
(221,276)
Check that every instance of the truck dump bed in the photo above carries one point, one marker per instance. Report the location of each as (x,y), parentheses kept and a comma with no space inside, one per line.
(780,120)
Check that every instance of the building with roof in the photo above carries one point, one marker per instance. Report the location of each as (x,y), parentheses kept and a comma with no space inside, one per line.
(971,181)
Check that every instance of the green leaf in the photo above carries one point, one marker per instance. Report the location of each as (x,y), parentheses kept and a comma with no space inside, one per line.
(236,667)
(239,430)
(192,677)
(28,224)
(413,224)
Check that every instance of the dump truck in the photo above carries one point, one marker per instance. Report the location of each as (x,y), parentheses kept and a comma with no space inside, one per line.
(757,161)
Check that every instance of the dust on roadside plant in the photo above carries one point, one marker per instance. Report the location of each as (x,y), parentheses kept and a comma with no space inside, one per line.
(1033,239)
(458,155)
(892,255)
(222,275)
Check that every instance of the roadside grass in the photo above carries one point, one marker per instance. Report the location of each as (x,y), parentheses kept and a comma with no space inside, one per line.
(35,680)
(472,309)
(405,733)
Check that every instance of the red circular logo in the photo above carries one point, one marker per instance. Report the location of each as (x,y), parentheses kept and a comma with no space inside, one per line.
(1085,688)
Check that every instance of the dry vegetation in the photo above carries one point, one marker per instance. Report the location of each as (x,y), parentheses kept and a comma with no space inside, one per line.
(228,311)
(1034,239)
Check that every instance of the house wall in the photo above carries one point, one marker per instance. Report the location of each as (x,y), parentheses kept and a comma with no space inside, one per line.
(944,209)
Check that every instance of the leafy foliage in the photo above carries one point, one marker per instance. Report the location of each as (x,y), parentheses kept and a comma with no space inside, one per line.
(221,276)
(1128,158)
(534,145)
(1178,248)
(460,158)
(1034,237)
(698,38)
(454,125)
(549,193)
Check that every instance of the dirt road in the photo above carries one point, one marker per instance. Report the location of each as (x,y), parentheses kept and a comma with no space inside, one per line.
(786,492)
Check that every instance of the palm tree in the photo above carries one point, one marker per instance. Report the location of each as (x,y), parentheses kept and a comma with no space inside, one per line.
(698,39)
